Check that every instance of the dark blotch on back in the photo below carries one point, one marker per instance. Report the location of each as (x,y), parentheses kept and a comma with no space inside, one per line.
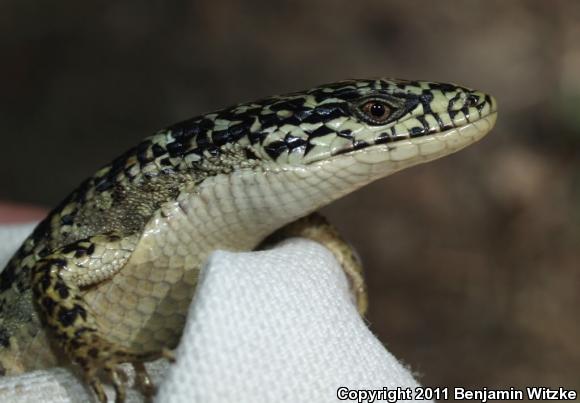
(175,149)
(158,151)
(48,305)
(184,130)
(230,135)
(62,290)
(269,120)
(294,142)
(275,148)
(67,317)
(144,153)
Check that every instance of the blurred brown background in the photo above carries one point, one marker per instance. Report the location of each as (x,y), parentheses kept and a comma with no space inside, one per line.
(473,262)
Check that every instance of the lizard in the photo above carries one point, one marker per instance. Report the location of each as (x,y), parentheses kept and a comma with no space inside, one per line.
(106,278)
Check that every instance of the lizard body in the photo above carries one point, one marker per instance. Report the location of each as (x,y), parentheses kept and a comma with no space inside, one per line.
(109,274)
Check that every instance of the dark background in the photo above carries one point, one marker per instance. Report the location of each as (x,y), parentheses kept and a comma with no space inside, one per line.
(472,261)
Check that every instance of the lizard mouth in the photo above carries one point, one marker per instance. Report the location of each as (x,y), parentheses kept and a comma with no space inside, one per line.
(414,150)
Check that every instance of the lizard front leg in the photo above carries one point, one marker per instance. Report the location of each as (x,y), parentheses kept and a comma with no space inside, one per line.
(58,281)
(317,228)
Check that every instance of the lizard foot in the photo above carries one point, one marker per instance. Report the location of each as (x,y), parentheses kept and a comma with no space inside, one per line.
(95,355)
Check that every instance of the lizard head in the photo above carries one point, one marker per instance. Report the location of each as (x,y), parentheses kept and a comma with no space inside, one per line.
(409,120)
(404,122)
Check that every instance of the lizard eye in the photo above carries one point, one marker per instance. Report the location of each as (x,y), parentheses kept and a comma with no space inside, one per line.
(375,111)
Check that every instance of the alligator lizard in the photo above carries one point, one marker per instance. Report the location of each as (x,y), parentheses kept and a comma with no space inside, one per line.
(107,277)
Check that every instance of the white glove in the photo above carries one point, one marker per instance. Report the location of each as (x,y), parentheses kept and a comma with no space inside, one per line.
(269,326)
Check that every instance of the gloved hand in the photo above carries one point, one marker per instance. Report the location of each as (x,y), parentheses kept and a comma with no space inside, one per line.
(268,326)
